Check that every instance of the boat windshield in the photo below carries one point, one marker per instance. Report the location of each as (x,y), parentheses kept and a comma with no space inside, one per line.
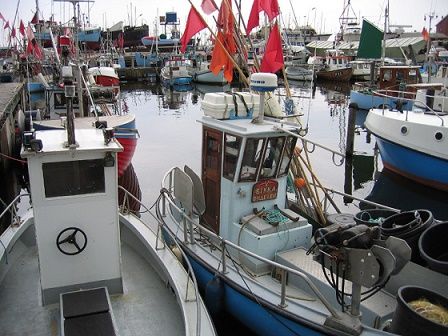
(265,158)
(69,178)
(231,154)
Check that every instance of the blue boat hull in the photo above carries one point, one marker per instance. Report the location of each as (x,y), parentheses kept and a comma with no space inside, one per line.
(179,81)
(421,167)
(366,101)
(35,87)
(261,317)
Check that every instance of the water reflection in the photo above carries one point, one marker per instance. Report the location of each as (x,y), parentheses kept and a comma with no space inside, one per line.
(402,193)
(173,98)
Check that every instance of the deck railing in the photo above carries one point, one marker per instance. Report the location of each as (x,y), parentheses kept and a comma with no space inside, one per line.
(189,223)
(389,94)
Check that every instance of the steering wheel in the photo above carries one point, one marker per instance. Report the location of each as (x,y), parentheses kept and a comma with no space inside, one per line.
(67,241)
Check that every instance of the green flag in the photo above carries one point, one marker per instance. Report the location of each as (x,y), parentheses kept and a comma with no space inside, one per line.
(370,42)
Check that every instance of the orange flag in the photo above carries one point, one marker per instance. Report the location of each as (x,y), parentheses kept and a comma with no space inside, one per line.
(195,23)
(220,60)
(273,56)
(425,34)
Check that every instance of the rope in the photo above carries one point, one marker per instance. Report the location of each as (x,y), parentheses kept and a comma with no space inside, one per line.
(274,217)
(12,158)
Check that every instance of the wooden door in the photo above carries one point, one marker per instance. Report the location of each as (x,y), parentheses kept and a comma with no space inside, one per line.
(211,176)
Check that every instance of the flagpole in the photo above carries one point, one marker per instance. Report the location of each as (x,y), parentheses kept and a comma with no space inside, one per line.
(285,79)
(257,64)
(242,75)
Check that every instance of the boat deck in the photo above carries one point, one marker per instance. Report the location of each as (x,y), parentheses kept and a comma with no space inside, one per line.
(147,306)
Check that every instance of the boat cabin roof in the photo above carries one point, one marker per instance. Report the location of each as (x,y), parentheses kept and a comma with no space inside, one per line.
(87,139)
(245,127)
(427,85)
(414,67)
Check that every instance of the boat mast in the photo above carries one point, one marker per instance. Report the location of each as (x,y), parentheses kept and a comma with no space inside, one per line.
(294,14)
(347,18)
(428,44)
(386,19)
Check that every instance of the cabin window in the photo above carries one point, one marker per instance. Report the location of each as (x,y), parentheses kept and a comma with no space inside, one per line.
(287,155)
(212,161)
(272,156)
(413,77)
(70,178)
(387,75)
(60,101)
(251,159)
(231,154)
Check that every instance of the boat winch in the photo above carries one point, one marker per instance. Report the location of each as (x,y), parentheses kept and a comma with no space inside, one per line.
(356,253)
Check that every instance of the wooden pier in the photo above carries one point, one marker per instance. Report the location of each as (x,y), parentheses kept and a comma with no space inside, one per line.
(12,100)
(138,74)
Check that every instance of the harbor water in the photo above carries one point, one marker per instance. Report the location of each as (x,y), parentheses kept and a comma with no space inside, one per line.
(170,135)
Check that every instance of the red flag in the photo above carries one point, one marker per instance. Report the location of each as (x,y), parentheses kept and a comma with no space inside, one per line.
(208,6)
(270,7)
(2,17)
(6,25)
(273,55)
(225,18)
(195,23)
(33,47)
(22,28)
(121,40)
(253,17)
(35,18)
(425,34)
(13,32)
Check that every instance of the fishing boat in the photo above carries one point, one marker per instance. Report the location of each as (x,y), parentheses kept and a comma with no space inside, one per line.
(392,78)
(175,72)
(149,41)
(334,66)
(105,75)
(295,72)
(202,74)
(361,69)
(76,263)
(132,35)
(256,258)
(90,37)
(412,141)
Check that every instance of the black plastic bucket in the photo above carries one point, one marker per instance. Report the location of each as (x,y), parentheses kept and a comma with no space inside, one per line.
(407,322)
(408,226)
(433,247)
(372,217)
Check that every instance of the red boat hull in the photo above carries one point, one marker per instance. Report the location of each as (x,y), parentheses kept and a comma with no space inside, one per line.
(107,81)
(125,157)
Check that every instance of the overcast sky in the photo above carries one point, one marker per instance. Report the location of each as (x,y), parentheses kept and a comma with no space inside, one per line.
(323,14)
